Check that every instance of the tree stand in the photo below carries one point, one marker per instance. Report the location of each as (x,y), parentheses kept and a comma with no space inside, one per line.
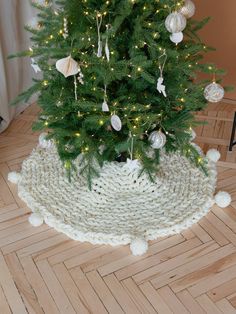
(122,208)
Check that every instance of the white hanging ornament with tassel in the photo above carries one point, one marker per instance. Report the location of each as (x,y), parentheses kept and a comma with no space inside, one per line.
(116,122)
(175,23)
(160,86)
(105,107)
(188,10)
(99,24)
(68,66)
(157,139)
(107,50)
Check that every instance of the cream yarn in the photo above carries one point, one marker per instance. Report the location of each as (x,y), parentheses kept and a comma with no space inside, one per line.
(122,207)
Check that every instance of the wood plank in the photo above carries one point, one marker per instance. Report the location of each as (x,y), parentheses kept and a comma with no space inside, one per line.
(165,268)
(156,259)
(189,302)
(204,273)
(37,283)
(210,283)
(121,295)
(104,293)
(195,263)
(173,302)
(138,297)
(159,304)
(225,306)
(208,305)
(130,259)
(12,295)
(90,298)
(22,284)
(70,288)
(4,307)
(55,287)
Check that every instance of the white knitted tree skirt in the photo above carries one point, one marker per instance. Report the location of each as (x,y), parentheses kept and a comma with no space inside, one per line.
(122,206)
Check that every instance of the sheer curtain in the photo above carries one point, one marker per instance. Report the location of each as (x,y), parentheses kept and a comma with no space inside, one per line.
(15,74)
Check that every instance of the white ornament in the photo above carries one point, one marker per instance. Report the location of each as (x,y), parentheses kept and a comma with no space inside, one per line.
(43,142)
(107,51)
(14,177)
(68,66)
(132,164)
(157,139)
(214,92)
(139,247)
(175,22)
(213,155)
(161,87)
(193,134)
(35,66)
(105,107)
(34,22)
(188,10)
(177,37)
(116,123)
(99,24)
(223,199)
(36,220)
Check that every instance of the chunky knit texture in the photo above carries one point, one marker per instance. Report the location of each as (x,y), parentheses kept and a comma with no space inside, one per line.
(121,206)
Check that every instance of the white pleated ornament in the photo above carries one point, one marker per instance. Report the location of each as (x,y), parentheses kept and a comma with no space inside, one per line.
(214,92)
(68,66)
(188,10)
(175,22)
(157,139)
(116,123)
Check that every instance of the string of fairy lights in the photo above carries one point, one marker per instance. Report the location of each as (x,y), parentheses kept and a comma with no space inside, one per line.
(175,17)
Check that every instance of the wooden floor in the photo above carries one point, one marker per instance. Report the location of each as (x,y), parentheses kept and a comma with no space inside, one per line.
(42,271)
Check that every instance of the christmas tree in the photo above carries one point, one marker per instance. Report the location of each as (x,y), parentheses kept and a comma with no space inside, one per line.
(119,81)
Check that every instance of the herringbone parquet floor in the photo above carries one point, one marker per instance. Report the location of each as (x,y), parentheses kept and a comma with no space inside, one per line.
(42,271)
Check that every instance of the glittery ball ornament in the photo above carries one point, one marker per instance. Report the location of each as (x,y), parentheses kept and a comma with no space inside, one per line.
(188,10)
(214,92)
(157,139)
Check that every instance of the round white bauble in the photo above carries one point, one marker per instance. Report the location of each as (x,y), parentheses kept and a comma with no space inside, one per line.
(214,92)
(139,247)
(14,177)
(36,220)
(157,139)
(175,22)
(43,142)
(223,199)
(213,155)
(188,10)
(177,37)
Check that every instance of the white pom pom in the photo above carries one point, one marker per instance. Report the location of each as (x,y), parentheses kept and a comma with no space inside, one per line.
(36,220)
(43,142)
(213,155)
(14,177)
(223,199)
(139,247)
